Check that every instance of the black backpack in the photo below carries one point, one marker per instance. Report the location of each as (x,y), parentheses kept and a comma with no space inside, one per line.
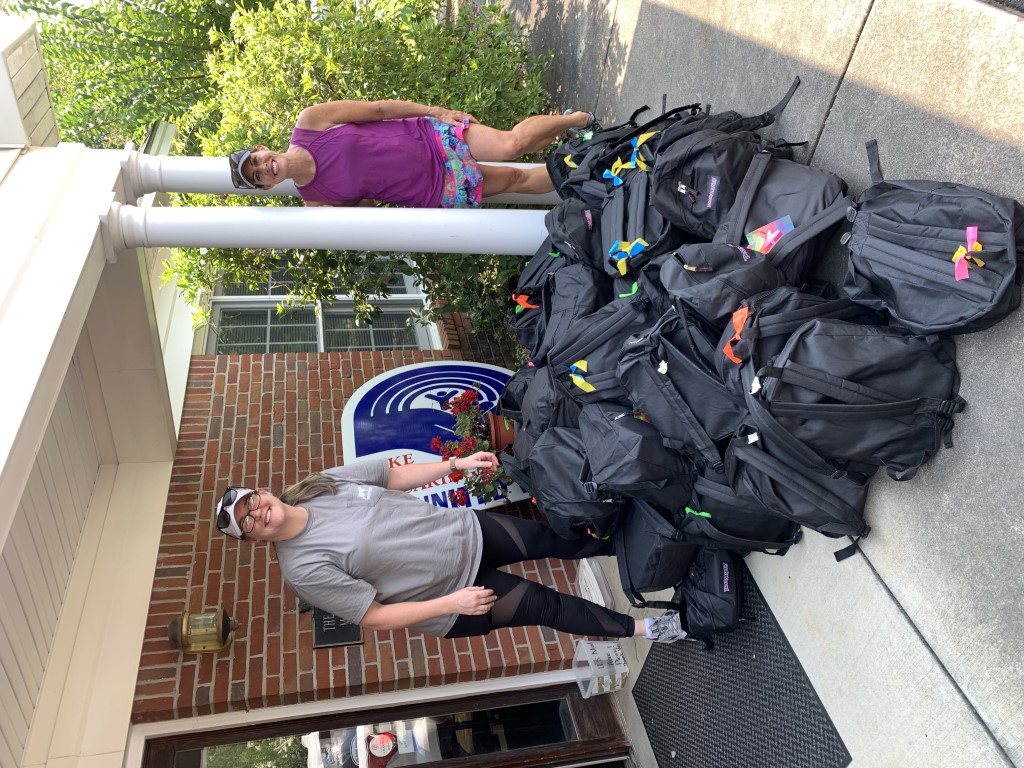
(787,211)
(510,404)
(633,231)
(573,292)
(913,253)
(696,179)
(574,229)
(545,405)
(639,149)
(556,468)
(516,462)
(761,326)
(864,395)
(719,516)
(651,553)
(571,164)
(626,455)
(669,375)
(786,478)
(583,361)
(529,317)
(711,595)
(608,165)
(714,279)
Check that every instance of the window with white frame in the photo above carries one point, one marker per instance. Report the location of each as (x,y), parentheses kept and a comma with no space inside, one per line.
(246,321)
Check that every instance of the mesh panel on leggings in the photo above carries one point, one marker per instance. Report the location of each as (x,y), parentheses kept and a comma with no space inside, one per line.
(529,603)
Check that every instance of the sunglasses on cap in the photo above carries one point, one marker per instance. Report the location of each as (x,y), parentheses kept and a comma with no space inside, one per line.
(237,161)
(226,522)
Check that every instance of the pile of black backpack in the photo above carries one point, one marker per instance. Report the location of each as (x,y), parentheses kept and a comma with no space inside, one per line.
(688,390)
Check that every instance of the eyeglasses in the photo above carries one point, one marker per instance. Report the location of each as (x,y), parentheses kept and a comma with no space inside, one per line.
(247,523)
(237,160)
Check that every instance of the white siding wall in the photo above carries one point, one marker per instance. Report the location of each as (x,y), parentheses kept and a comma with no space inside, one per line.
(35,564)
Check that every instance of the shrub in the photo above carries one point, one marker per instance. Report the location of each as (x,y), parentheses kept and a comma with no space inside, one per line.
(273,62)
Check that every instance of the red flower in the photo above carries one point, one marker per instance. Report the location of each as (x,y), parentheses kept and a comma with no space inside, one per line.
(437,445)
(459,497)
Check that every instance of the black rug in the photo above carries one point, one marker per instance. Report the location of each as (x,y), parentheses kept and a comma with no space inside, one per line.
(745,703)
(1017,5)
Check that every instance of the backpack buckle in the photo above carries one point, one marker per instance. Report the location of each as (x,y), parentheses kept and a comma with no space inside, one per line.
(590,486)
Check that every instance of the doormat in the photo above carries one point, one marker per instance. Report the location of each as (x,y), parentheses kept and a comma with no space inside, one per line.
(1017,5)
(747,702)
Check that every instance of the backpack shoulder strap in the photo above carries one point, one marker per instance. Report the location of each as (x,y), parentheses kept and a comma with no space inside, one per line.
(735,542)
(848,520)
(731,229)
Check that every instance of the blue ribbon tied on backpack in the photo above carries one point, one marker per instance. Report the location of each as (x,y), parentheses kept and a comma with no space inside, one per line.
(636,160)
(621,252)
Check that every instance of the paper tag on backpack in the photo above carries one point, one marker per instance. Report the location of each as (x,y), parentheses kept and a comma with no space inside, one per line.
(763,239)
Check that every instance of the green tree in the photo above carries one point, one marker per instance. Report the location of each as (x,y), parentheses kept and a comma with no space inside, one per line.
(117,66)
(272,62)
(281,752)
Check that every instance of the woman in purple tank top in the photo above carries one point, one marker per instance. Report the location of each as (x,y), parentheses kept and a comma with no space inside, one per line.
(355,152)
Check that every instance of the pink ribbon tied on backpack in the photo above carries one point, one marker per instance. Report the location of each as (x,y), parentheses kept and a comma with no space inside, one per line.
(962,259)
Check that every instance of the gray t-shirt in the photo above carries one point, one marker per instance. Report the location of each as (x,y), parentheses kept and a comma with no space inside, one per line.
(368,543)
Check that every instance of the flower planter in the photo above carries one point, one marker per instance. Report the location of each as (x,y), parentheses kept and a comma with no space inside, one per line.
(502,431)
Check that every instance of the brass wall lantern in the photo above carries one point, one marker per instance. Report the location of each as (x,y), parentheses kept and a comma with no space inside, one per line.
(211,630)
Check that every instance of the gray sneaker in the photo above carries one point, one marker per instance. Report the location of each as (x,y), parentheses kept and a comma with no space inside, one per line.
(667,628)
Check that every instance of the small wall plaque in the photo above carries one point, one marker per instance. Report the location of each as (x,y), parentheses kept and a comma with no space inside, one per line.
(329,630)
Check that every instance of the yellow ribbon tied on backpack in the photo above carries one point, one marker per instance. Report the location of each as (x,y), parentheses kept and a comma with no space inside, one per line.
(962,259)
(576,371)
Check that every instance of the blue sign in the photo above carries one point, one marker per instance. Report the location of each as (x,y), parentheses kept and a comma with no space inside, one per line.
(397,414)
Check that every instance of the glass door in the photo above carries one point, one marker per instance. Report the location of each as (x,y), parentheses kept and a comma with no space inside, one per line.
(479,731)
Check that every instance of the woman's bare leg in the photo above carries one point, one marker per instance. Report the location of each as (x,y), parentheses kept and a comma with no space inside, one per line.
(531,135)
(499,179)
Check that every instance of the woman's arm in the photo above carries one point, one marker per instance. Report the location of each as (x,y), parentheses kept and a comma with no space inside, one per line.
(320,117)
(471,601)
(410,476)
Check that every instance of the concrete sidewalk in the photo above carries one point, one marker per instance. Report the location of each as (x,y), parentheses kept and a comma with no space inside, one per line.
(916,646)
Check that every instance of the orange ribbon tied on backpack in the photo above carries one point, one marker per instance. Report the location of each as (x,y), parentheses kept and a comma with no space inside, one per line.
(523,302)
(739,319)
(962,259)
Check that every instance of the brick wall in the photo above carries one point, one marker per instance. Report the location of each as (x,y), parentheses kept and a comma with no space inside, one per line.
(269,420)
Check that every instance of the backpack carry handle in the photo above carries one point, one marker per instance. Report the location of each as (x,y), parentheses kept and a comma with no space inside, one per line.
(876,169)
(772,114)
(813,227)
(642,129)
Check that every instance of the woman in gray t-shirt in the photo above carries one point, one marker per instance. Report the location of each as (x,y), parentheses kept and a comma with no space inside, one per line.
(351,541)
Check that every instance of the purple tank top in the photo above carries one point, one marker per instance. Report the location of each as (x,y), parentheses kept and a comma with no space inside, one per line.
(397,161)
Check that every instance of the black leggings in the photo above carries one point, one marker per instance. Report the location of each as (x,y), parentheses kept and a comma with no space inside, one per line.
(522,602)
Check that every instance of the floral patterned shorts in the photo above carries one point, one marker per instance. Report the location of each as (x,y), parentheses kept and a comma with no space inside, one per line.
(464,181)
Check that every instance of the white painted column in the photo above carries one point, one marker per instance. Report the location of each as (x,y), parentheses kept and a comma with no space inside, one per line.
(515,232)
(210,175)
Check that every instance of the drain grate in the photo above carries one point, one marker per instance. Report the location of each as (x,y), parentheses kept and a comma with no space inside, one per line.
(748,702)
